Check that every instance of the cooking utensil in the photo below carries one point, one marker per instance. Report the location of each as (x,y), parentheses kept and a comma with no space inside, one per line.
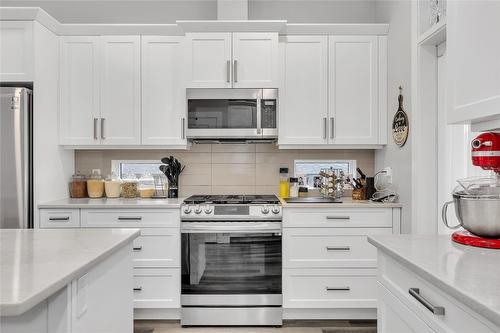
(361,174)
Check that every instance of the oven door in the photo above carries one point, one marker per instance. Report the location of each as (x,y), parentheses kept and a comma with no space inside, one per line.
(231,264)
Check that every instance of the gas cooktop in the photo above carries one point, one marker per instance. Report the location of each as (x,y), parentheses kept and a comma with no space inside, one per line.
(232,200)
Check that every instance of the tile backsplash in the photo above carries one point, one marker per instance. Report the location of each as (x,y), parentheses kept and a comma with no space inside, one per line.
(225,169)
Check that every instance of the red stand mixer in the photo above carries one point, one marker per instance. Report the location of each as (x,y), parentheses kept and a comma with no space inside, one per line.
(477,200)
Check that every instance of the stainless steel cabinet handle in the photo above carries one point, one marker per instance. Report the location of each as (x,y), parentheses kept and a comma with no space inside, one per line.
(437,310)
(338,288)
(324,128)
(129,218)
(95,129)
(102,128)
(235,71)
(338,248)
(332,129)
(183,124)
(138,289)
(62,218)
(137,248)
(338,217)
(228,71)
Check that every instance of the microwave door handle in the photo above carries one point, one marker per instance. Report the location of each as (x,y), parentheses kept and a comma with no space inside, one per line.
(259,115)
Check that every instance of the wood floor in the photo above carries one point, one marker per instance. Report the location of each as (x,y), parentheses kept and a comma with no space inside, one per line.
(291,326)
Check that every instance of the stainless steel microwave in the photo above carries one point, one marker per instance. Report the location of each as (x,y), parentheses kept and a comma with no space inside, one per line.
(232,113)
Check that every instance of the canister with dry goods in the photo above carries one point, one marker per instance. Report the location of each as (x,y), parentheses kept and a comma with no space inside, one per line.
(78,186)
(95,185)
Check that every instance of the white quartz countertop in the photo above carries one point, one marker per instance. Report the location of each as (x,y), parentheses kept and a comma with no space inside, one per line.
(347,202)
(113,203)
(34,264)
(470,274)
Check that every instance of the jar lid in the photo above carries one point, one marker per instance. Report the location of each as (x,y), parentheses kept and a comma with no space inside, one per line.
(294,180)
(303,189)
(78,177)
(283,170)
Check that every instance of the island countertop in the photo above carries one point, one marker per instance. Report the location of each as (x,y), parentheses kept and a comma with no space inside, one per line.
(35,264)
(470,274)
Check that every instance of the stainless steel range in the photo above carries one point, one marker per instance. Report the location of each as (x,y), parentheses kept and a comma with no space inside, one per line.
(231,260)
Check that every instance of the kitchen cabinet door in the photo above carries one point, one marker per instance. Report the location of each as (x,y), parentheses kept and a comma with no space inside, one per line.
(120,122)
(353,90)
(16,51)
(473,48)
(79,90)
(255,60)
(303,92)
(208,60)
(163,92)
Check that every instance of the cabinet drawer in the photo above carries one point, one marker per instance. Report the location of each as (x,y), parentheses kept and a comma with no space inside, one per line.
(157,288)
(329,288)
(337,217)
(157,247)
(59,218)
(329,248)
(130,218)
(456,318)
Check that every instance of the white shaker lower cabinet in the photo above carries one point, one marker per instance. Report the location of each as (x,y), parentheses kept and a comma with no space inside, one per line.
(155,253)
(410,303)
(329,268)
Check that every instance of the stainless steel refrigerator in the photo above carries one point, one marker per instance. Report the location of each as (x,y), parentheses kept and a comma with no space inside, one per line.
(16,158)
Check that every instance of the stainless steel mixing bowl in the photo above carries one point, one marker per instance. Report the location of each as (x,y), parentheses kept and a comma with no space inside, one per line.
(479,214)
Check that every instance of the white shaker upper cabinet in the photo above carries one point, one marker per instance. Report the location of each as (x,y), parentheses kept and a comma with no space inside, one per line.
(255,60)
(163,92)
(16,51)
(209,63)
(473,48)
(120,90)
(353,90)
(303,94)
(79,90)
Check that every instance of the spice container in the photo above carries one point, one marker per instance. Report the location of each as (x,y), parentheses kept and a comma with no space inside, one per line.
(130,187)
(146,186)
(112,186)
(78,186)
(294,187)
(303,192)
(284,185)
(95,185)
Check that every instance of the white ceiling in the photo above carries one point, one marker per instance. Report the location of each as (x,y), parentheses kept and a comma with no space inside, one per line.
(168,11)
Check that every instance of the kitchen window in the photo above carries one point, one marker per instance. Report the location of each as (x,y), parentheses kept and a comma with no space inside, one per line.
(123,168)
(307,171)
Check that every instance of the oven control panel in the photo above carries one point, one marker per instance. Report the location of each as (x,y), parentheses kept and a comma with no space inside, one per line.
(239,212)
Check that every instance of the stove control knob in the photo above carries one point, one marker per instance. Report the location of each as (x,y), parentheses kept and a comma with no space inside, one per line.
(187,210)
(276,210)
(265,210)
(208,210)
(197,210)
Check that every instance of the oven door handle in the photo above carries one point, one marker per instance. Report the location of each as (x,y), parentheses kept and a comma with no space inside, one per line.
(257,228)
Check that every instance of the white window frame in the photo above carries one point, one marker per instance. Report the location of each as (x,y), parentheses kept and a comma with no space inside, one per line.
(115,164)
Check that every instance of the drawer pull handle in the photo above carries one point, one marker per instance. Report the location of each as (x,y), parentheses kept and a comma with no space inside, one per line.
(138,289)
(437,310)
(137,248)
(338,248)
(62,218)
(338,217)
(129,218)
(338,288)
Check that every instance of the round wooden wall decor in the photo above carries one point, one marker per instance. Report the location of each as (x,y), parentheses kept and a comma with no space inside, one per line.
(400,123)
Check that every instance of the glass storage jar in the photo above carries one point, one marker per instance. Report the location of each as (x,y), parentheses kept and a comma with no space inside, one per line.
(294,187)
(146,186)
(78,186)
(95,185)
(284,186)
(112,186)
(130,186)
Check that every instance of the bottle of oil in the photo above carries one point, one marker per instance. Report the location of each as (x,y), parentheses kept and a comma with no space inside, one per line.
(284,184)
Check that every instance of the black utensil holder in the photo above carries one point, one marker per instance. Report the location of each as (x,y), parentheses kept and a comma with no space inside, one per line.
(173,192)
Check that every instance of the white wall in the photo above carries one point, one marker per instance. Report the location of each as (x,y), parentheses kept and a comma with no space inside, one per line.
(398,15)
(52,164)
(313,11)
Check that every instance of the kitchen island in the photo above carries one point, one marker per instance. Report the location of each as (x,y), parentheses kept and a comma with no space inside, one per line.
(431,284)
(66,280)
